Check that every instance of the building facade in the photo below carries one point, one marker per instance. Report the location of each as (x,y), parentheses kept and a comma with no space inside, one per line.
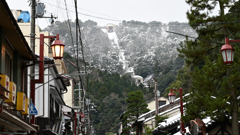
(14,60)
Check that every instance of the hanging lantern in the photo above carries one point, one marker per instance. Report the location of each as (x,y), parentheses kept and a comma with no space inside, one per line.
(171,97)
(227,53)
(57,49)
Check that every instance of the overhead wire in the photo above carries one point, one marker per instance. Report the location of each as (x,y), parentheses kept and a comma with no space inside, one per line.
(78,36)
(136,22)
(69,23)
(90,11)
(88,14)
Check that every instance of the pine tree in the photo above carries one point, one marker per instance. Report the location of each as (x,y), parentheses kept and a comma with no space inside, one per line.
(136,106)
(208,73)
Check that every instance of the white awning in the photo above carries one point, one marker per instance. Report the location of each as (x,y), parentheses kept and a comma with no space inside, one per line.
(14,123)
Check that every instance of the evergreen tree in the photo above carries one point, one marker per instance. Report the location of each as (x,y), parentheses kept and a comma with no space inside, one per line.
(208,73)
(136,106)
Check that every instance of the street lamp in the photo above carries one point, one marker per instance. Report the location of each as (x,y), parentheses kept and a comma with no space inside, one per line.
(172,98)
(58,47)
(82,118)
(228,51)
(228,57)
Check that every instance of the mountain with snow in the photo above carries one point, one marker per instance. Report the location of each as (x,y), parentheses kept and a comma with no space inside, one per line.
(131,47)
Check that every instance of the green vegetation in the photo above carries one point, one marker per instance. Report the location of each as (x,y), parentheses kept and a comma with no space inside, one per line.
(109,92)
(160,118)
(205,75)
(148,131)
(136,106)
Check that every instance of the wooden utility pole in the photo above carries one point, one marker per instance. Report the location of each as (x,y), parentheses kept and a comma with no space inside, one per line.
(32,43)
(32,35)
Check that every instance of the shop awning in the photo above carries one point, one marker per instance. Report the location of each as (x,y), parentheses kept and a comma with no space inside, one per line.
(14,123)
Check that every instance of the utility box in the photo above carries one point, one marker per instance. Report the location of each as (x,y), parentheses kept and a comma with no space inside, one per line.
(40,9)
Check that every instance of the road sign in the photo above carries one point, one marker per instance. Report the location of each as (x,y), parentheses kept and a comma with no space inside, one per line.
(32,110)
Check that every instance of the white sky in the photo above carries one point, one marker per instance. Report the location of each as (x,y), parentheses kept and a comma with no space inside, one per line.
(138,10)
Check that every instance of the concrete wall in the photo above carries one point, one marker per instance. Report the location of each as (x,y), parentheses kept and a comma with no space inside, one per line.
(68,97)
(26,30)
(151,105)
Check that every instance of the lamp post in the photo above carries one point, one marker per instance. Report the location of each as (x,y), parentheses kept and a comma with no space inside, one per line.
(228,57)
(58,48)
(172,98)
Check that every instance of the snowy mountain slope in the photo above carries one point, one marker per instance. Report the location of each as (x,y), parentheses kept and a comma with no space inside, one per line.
(130,46)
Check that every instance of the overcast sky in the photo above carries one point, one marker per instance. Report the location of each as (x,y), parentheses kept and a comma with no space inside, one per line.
(111,11)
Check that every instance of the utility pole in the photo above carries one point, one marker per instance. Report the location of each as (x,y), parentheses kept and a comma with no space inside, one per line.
(32,35)
(32,43)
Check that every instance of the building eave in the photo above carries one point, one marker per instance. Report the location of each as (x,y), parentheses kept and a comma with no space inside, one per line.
(13,33)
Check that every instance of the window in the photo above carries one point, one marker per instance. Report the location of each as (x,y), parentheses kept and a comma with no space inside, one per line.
(161,103)
(8,66)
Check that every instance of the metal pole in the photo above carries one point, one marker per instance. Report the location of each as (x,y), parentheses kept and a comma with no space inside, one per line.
(41,76)
(234,104)
(88,119)
(75,124)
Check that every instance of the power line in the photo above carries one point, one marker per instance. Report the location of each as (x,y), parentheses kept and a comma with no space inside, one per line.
(88,14)
(90,11)
(69,23)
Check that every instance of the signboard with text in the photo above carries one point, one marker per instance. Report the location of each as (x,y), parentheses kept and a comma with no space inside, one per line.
(21,101)
(12,95)
(5,83)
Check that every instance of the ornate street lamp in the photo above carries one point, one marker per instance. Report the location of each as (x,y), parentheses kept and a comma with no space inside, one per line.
(228,57)
(172,98)
(227,52)
(57,48)
(82,118)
